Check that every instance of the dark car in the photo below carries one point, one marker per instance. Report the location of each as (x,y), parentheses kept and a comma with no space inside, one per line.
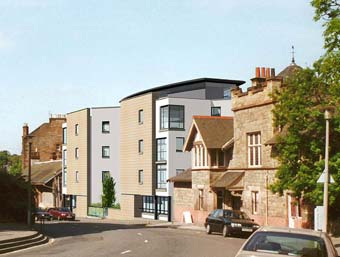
(62,213)
(229,222)
(41,214)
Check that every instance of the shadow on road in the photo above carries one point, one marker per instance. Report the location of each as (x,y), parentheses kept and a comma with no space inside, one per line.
(64,229)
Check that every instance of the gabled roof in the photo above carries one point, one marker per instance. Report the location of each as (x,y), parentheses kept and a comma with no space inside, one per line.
(289,71)
(43,172)
(214,130)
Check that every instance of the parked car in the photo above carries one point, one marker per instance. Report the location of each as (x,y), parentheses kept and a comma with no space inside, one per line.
(41,214)
(273,242)
(229,222)
(62,213)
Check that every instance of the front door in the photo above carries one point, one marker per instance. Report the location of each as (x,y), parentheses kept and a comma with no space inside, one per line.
(236,202)
(220,199)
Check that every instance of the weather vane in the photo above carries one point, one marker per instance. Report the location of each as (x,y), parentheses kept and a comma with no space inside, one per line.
(293,52)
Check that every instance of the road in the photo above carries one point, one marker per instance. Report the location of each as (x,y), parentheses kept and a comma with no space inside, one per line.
(96,238)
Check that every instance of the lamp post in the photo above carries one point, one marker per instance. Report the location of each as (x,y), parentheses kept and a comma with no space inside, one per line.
(29,190)
(328,114)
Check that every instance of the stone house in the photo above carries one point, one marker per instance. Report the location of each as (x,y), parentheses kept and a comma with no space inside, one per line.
(249,161)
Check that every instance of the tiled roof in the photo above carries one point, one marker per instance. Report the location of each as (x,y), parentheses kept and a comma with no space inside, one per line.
(43,172)
(289,71)
(184,176)
(215,131)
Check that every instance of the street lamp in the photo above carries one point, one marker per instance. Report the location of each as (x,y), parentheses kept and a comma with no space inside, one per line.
(29,188)
(328,116)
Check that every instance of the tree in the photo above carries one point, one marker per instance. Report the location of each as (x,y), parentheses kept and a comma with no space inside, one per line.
(15,166)
(109,192)
(300,112)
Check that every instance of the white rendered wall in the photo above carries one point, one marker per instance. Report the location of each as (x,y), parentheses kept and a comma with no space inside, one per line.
(99,139)
(64,147)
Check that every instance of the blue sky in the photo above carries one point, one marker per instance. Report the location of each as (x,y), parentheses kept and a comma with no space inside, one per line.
(57,56)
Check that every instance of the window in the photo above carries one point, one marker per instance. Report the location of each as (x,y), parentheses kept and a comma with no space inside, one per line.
(227,94)
(65,158)
(64,136)
(179,144)
(215,111)
(172,117)
(161,176)
(76,129)
(65,177)
(105,175)
(254,202)
(76,153)
(74,201)
(105,151)
(178,171)
(140,177)
(200,199)
(105,127)
(161,149)
(140,116)
(140,146)
(254,149)
(77,176)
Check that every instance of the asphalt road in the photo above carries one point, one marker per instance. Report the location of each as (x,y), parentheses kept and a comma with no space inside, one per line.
(95,238)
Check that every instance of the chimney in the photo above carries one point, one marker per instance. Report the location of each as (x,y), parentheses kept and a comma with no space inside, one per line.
(263,72)
(267,72)
(257,72)
(272,72)
(25,130)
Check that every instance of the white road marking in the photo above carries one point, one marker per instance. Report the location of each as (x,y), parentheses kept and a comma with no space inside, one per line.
(139,234)
(146,241)
(128,251)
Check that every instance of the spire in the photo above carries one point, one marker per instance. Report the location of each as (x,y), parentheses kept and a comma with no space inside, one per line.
(293,52)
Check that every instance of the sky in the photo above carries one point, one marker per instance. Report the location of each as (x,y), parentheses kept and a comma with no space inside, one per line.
(58,56)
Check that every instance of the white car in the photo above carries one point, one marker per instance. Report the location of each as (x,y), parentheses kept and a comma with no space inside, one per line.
(275,242)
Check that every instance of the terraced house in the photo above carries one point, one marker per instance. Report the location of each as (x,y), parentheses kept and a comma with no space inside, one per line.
(154,124)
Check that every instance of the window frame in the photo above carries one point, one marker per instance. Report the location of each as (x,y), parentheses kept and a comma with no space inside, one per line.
(183,141)
(254,202)
(162,147)
(105,122)
(163,119)
(254,150)
(76,153)
(216,108)
(105,147)
(140,146)
(77,176)
(161,180)
(140,177)
(76,129)
(64,136)
(140,116)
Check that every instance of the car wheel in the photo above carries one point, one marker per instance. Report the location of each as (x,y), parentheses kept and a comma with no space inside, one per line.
(208,229)
(225,231)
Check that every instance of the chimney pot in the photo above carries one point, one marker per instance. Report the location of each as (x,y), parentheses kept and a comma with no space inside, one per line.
(267,72)
(257,72)
(25,129)
(263,72)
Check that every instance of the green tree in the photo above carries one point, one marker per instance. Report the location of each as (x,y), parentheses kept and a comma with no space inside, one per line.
(300,111)
(109,192)
(15,167)
(4,156)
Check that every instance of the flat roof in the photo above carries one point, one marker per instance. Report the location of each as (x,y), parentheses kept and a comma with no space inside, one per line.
(184,83)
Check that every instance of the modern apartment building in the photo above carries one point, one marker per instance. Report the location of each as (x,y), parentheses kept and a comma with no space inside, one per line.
(153,125)
(90,153)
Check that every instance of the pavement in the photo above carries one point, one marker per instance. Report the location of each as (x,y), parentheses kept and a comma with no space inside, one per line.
(13,230)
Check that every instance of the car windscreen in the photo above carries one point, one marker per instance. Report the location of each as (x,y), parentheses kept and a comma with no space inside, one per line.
(235,215)
(286,244)
(64,209)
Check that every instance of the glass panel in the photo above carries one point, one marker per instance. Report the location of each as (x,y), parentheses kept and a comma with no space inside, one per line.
(215,111)
(161,176)
(161,149)
(179,144)
(176,116)
(105,126)
(164,117)
(106,151)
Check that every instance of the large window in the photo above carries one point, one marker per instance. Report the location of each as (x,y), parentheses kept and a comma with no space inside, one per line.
(227,94)
(172,117)
(215,111)
(105,127)
(64,136)
(140,146)
(179,144)
(65,177)
(140,116)
(161,176)
(254,149)
(65,158)
(161,149)
(106,151)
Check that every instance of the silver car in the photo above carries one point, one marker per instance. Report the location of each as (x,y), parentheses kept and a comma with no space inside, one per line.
(274,242)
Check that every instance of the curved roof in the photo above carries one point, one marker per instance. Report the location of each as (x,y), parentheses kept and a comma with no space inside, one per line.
(184,83)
